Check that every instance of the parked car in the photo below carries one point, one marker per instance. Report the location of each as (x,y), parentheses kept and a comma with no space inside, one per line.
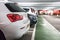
(2,37)
(14,22)
(32,16)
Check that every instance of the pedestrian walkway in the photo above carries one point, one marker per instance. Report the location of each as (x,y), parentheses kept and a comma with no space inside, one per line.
(45,31)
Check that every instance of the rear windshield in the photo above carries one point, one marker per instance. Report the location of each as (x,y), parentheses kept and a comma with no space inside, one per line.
(14,7)
(26,9)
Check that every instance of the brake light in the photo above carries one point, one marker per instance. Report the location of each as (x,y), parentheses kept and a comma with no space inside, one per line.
(14,17)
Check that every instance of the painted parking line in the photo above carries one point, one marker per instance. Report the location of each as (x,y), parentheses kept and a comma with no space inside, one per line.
(50,25)
(33,35)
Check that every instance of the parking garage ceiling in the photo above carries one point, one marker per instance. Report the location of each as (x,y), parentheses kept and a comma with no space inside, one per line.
(35,0)
(39,4)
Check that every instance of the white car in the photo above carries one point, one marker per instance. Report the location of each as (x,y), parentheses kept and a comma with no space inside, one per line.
(30,11)
(14,22)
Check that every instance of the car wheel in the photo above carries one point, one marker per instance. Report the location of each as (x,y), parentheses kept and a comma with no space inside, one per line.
(32,25)
(2,37)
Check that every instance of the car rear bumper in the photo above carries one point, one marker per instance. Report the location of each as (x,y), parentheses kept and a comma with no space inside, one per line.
(13,31)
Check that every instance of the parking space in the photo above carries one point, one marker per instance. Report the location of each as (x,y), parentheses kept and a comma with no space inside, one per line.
(53,20)
(45,31)
(28,35)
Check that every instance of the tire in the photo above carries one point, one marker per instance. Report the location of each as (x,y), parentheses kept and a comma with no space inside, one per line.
(2,37)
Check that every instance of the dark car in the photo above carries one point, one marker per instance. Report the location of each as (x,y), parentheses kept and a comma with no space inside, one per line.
(31,16)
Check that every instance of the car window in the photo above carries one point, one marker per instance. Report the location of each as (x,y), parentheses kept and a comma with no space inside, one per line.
(26,9)
(13,7)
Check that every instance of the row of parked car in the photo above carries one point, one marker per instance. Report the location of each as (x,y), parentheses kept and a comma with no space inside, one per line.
(15,21)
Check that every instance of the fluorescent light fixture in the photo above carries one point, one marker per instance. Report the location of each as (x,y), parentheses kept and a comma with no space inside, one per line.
(54,4)
(40,3)
(28,3)
(25,4)
(48,8)
(6,0)
(3,0)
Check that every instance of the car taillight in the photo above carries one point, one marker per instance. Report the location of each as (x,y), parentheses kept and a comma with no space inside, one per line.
(14,17)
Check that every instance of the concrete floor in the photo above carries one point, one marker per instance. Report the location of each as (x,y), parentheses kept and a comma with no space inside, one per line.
(28,35)
(53,20)
(45,31)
